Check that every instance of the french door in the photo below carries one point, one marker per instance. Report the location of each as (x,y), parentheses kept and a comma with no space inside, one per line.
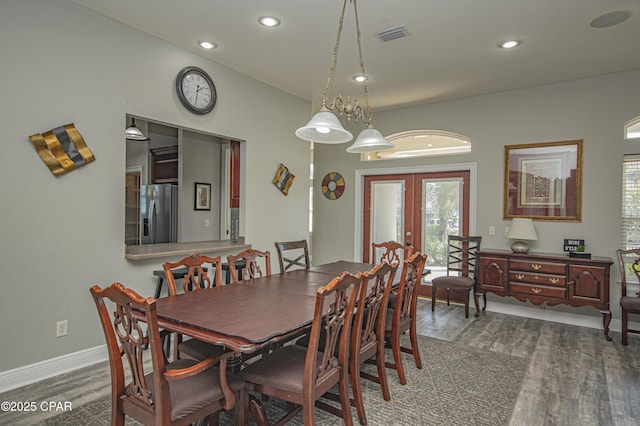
(420,209)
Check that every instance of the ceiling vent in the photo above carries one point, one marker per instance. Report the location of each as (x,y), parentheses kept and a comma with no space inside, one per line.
(392,34)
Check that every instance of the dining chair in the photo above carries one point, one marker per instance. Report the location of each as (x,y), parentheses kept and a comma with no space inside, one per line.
(287,249)
(252,267)
(629,264)
(195,279)
(176,393)
(402,316)
(390,251)
(301,375)
(368,332)
(461,271)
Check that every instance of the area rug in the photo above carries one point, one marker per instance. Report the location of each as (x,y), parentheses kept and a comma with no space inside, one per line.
(457,385)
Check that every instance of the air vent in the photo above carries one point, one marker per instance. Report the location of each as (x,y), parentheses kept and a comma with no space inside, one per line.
(392,34)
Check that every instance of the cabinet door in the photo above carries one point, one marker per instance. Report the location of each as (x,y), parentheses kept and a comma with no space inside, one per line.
(492,274)
(588,284)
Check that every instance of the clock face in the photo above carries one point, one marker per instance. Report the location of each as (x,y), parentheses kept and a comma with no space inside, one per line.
(196,90)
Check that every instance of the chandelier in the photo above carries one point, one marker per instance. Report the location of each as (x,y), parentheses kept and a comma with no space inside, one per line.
(325,127)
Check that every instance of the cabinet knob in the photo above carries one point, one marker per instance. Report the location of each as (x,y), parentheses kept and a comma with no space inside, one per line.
(554,280)
(536,290)
(535,266)
(519,276)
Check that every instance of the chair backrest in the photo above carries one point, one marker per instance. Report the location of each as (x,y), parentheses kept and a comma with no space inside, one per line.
(293,248)
(125,336)
(252,267)
(333,316)
(461,255)
(368,324)
(196,278)
(406,302)
(391,252)
(629,264)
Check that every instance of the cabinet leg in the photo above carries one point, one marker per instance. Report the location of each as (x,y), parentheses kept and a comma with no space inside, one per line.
(606,320)
(476,297)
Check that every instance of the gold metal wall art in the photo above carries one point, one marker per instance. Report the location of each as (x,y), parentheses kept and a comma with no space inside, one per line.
(283,179)
(62,149)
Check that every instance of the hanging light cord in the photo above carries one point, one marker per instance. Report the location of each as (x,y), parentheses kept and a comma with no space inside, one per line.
(334,59)
(364,74)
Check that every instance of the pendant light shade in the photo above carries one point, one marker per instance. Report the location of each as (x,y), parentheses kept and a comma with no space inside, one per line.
(133,133)
(369,140)
(324,127)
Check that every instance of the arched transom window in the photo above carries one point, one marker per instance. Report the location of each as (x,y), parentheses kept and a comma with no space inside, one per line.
(422,143)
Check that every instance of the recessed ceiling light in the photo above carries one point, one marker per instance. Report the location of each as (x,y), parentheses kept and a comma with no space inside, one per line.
(509,44)
(612,18)
(359,78)
(207,45)
(269,21)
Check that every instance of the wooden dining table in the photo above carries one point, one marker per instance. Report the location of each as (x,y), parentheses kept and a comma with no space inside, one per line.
(252,314)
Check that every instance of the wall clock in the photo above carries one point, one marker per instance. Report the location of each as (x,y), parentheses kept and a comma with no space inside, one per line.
(196,90)
(333,185)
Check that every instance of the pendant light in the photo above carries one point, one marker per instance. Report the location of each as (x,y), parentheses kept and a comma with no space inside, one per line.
(325,127)
(132,133)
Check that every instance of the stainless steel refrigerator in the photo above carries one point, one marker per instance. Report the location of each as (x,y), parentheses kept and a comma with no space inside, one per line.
(159,213)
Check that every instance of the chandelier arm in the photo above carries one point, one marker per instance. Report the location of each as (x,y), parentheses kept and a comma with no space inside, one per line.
(334,59)
(364,74)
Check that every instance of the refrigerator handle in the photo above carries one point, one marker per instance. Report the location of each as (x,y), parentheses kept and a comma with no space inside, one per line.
(152,222)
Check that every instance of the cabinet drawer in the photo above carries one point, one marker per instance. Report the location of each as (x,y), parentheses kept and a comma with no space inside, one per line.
(539,290)
(538,279)
(540,267)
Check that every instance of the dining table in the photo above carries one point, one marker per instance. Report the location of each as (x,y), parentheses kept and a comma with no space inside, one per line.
(252,314)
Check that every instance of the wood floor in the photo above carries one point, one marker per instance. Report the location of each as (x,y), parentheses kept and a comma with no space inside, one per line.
(575,377)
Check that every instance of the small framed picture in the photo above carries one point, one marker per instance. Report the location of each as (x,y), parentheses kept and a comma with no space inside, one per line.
(202,196)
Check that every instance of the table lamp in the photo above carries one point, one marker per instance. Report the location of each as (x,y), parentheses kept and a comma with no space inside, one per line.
(521,229)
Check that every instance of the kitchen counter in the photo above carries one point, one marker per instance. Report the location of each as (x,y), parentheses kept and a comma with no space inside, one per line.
(153,251)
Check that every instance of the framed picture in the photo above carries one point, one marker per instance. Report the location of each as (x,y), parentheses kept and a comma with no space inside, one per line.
(202,196)
(543,181)
(283,179)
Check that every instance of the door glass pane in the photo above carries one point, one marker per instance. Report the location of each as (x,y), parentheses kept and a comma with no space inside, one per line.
(387,211)
(441,216)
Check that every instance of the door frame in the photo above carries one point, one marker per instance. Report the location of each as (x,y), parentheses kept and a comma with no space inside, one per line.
(359,194)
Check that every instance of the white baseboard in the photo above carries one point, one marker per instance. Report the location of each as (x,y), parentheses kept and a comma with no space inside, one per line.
(22,376)
(38,371)
(557,316)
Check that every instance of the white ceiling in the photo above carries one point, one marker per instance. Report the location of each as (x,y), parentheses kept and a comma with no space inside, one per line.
(452,51)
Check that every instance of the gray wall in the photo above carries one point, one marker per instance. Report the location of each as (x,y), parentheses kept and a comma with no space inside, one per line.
(592,109)
(62,63)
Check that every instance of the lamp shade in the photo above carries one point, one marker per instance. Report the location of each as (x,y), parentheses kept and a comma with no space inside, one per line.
(324,127)
(369,140)
(522,229)
(133,133)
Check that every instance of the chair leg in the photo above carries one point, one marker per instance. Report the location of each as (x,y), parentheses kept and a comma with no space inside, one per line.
(241,409)
(345,402)
(447,297)
(397,357)
(413,335)
(434,292)
(624,327)
(382,371)
(257,410)
(466,306)
(354,376)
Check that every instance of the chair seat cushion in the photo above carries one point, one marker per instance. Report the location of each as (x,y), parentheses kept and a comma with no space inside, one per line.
(199,350)
(282,369)
(630,303)
(190,394)
(456,283)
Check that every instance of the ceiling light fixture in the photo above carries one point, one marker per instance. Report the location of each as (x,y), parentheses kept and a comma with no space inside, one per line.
(509,44)
(207,45)
(325,127)
(612,18)
(359,78)
(269,21)
(132,133)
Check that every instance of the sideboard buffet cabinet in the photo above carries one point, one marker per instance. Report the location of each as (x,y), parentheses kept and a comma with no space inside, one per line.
(546,278)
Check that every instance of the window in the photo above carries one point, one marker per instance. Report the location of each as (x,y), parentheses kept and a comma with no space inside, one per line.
(421,143)
(632,129)
(631,202)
